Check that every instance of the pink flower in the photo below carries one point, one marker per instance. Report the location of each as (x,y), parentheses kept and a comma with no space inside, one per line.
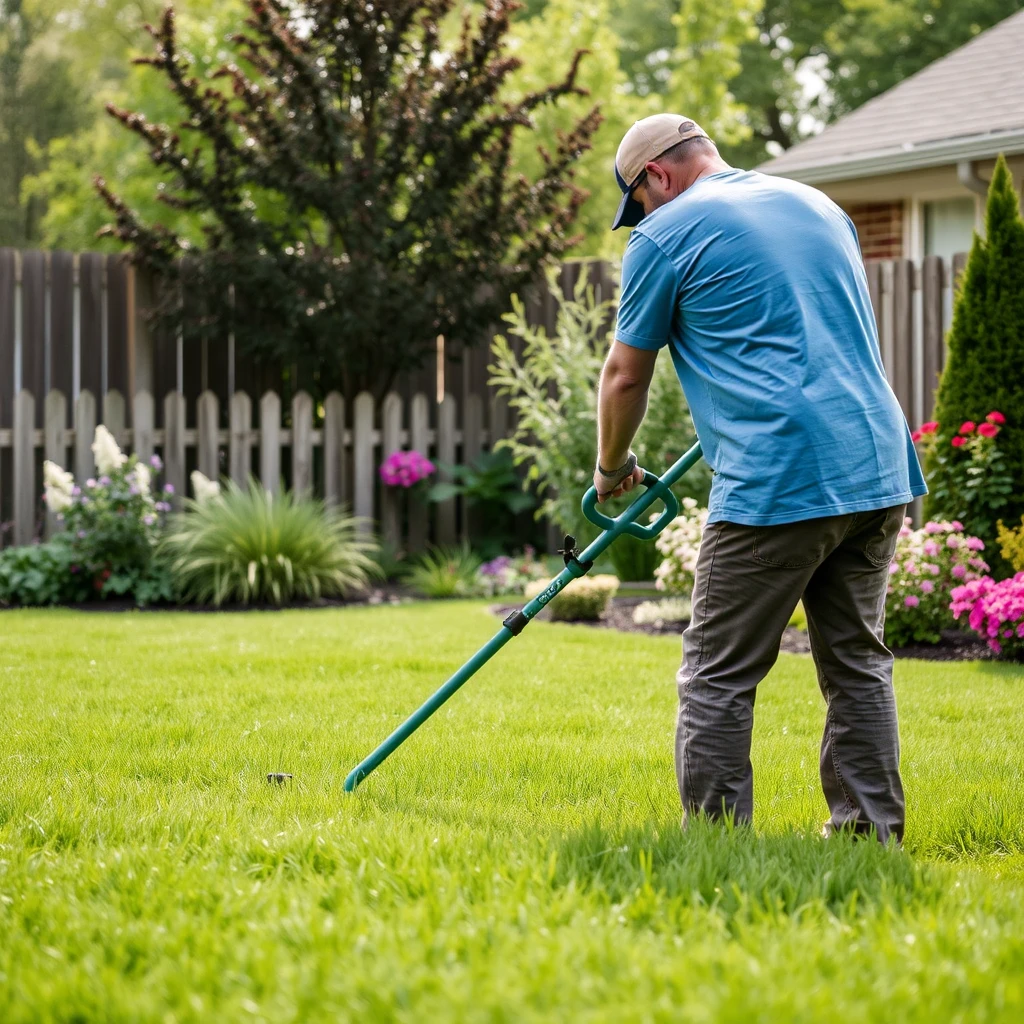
(995,417)
(930,427)
(957,442)
(927,586)
(911,601)
(932,568)
(967,427)
(975,544)
(956,525)
(959,571)
(988,430)
(894,567)
(953,542)
(931,548)
(932,527)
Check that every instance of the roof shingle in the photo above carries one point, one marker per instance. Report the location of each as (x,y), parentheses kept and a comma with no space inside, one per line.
(974,91)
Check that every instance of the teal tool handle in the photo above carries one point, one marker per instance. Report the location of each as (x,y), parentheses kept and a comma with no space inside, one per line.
(576,564)
(634,529)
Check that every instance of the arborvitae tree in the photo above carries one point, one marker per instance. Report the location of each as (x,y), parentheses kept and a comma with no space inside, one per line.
(354,176)
(985,367)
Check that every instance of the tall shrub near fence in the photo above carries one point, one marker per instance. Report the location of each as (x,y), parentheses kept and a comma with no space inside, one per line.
(985,369)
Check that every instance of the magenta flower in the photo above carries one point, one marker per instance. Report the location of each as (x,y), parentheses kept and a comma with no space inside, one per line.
(975,544)
(959,571)
(927,586)
(405,469)
(911,601)
(168,488)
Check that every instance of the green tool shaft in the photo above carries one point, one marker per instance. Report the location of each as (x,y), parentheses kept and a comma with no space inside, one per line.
(656,487)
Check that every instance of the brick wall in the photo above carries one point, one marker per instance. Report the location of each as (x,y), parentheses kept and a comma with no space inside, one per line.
(880,229)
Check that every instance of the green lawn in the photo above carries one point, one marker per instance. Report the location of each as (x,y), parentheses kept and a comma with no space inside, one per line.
(519,859)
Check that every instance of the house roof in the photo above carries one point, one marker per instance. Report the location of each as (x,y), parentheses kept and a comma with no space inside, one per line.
(966,105)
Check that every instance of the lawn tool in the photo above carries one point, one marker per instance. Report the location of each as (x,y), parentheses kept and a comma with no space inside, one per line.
(576,564)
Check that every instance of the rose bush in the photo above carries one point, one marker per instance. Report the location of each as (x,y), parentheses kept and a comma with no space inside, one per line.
(995,610)
(969,479)
(928,564)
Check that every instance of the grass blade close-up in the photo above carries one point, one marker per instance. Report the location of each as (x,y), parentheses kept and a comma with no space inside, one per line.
(520,858)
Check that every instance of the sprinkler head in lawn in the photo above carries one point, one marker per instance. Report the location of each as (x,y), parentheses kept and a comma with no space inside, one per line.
(279,777)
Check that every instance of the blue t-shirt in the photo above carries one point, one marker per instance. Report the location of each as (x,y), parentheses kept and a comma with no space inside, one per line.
(757,285)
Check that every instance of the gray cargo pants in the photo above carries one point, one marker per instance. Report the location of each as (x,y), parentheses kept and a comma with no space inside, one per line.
(748,581)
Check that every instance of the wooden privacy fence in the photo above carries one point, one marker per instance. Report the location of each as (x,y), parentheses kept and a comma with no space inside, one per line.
(326,450)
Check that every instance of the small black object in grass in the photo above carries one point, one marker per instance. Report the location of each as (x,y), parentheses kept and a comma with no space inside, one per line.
(279,777)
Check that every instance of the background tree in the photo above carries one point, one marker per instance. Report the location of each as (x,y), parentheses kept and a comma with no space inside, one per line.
(985,368)
(354,180)
(38,103)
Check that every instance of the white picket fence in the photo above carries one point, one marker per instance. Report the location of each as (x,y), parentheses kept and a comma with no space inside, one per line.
(331,454)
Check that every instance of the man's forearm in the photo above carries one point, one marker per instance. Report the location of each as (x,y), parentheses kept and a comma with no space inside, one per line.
(621,405)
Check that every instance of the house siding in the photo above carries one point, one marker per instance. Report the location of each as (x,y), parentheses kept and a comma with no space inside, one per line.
(879,228)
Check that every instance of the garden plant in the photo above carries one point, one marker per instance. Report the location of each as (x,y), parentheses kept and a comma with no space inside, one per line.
(248,545)
(555,434)
(985,367)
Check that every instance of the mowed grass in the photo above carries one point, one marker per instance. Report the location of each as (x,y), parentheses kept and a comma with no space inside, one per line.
(520,859)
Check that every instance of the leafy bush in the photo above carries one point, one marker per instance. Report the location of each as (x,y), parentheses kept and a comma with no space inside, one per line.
(657,613)
(506,575)
(928,564)
(635,560)
(40,574)
(985,368)
(995,610)
(111,528)
(582,600)
(490,485)
(971,480)
(679,545)
(445,572)
(553,389)
(1011,544)
(247,545)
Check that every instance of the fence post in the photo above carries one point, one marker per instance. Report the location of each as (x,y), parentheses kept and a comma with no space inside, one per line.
(174,444)
(55,441)
(391,441)
(472,443)
(240,443)
(270,442)
(24,467)
(113,415)
(207,420)
(143,416)
(302,443)
(446,453)
(419,441)
(334,449)
(362,456)
(85,429)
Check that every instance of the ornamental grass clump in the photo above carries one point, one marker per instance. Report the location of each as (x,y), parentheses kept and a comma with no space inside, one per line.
(445,572)
(582,600)
(249,546)
(995,610)
(927,565)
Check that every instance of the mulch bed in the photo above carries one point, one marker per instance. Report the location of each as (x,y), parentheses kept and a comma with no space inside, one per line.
(955,646)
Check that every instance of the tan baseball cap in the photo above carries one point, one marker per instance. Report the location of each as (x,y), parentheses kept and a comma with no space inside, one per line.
(646,141)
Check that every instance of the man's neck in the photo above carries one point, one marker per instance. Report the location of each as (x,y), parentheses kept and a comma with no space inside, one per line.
(702,167)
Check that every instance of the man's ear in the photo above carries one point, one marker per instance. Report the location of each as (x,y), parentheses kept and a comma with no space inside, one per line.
(658,173)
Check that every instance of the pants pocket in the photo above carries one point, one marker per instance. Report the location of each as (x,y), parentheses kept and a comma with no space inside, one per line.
(882,533)
(790,545)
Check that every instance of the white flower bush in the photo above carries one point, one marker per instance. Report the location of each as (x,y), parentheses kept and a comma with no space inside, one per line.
(657,613)
(60,487)
(679,545)
(203,487)
(106,452)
